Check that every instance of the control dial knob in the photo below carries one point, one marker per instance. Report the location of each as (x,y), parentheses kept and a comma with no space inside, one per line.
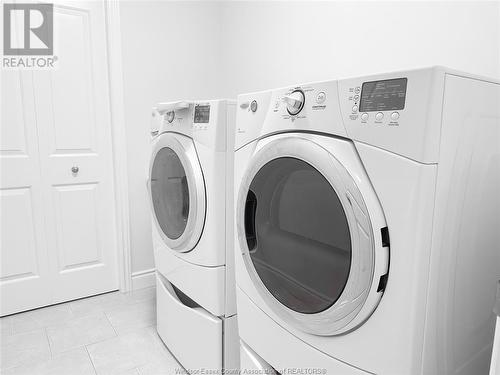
(294,101)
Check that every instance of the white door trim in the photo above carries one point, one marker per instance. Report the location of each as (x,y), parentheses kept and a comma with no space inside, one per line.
(113,33)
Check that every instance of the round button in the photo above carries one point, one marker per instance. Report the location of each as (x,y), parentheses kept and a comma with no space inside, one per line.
(379,116)
(321,97)
(394,116)
(354,108)
(364,116)
(253,106)
(356,97)
(357,90)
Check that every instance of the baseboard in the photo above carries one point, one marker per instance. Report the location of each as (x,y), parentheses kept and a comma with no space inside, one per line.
(143,279)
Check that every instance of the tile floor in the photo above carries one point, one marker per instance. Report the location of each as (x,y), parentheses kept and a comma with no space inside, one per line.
(114,333)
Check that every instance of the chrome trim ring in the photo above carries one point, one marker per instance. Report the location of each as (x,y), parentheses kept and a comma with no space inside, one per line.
(184,148)
(337,318)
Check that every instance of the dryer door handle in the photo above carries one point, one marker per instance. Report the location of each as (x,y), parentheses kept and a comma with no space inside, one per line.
(250,211)
(181,300)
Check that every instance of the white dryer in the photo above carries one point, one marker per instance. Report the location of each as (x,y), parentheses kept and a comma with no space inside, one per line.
(190,185)
(367,224)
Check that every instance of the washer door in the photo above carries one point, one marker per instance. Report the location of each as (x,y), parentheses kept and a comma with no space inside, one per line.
(306,236)
(177,191)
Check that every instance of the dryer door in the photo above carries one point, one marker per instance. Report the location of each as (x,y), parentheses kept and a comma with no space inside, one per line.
(307,239)
(177,191)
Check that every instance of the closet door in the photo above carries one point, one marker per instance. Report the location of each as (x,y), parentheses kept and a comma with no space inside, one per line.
(24,271)
(69,167)
(73,114)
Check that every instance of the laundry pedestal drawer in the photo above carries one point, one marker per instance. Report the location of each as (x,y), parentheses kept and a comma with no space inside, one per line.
(192,334)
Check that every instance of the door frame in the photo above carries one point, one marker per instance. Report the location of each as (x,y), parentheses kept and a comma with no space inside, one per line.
(119,141)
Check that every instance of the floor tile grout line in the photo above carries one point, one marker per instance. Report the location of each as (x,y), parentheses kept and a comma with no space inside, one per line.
(45,327)
(10,326)
(128,304)
(110,323)
(30,331)
(48,342)
(137,370)
(89,343)
(70,309)
(40,325)
(65,351)
(10,329)
(43,359)
(90,358)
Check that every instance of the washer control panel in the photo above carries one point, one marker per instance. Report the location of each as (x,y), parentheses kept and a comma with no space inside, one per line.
(201,116)
(378,102)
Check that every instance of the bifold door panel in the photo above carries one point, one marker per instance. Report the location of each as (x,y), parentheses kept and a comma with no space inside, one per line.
(58,223)
(24,273)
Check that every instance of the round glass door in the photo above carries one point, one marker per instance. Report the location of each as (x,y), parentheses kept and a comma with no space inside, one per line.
(170,193)
(306,235)
(298,235)
(177,191)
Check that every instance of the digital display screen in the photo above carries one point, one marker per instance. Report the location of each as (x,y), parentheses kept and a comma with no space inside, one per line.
(201,114)
(387,95)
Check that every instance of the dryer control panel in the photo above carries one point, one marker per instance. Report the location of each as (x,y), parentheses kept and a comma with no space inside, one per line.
(378,102)
(398,111)
(307,108)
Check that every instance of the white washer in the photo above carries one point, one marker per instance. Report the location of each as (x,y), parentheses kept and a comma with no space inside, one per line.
(367,224)
(191,190)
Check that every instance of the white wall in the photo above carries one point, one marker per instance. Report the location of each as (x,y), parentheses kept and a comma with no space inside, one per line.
(174,50)
(170,50)
(273,44)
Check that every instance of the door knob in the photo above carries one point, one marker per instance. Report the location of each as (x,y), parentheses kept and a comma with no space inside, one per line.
(75,170)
